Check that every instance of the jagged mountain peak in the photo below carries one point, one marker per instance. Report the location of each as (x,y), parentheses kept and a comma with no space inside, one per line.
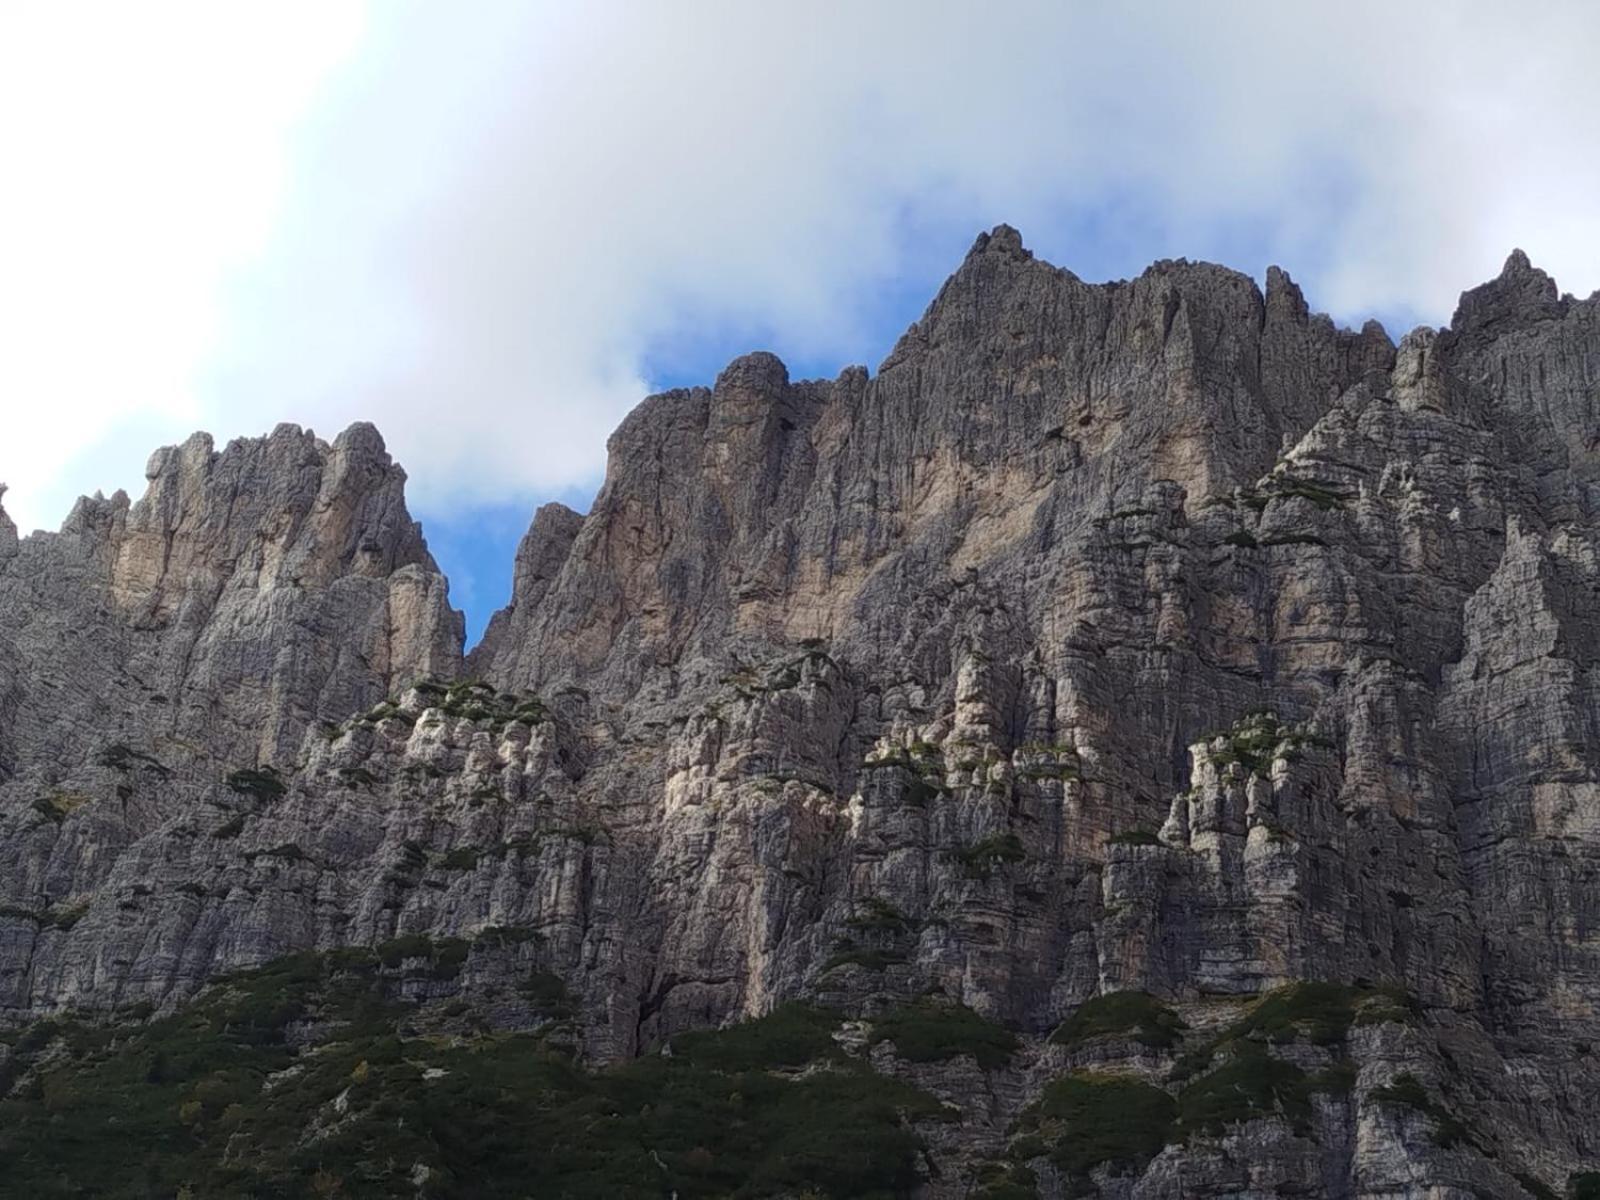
(1140,700)
(1520,295)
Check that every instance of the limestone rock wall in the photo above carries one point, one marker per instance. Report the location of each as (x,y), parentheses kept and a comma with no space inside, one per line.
(1154,636)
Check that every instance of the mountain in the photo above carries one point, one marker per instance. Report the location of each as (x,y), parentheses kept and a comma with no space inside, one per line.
(1141,742)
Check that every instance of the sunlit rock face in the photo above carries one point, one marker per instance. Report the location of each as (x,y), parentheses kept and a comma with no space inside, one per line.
(1151,638)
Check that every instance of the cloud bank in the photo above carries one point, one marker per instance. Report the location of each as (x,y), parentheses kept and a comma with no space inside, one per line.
(488,234)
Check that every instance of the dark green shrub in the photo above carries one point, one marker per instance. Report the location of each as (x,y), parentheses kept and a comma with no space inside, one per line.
(497,1117)
(1007,1182)
(1134,837)
(1321,1012)
(357,777)
(1093,1120)
(979,860)
(877,916)
(263,784)
(792,1035)
(448,956)
(1407,1091)
(288,851)
(503,936)
(1250,1083)
(120,757)
(847,954)
(1137,1015)
(548,995)
(933,1031)
(408,946)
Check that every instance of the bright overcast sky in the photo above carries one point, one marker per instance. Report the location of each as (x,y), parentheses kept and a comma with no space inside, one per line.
(491,228)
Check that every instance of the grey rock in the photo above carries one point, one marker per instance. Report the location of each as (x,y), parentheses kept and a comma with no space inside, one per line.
(939,678)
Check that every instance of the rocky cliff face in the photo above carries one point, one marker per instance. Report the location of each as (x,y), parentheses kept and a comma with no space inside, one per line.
(1200,692)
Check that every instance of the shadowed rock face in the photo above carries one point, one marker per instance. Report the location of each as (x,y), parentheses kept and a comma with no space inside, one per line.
(1152,636)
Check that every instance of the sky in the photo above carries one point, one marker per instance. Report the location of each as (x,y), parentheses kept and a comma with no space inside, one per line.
(493,228)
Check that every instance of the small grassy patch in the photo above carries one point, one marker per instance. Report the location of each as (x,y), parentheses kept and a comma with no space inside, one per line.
(1006,1181)
(1319,1012)
(287,852)
(1136,1015)
(1407,1091)
(979,860)
(1323,1012)
(1258,740)
(398,950)
(792,1035)
(263,784)
(547,994)
(63,916)
(847,954)
(1091,1120)
(123,758)
(462,858)
(504,936)
(877,916)
(1134,837)
(1323,497)
(1250,1084)
(932,1031)
(57,806)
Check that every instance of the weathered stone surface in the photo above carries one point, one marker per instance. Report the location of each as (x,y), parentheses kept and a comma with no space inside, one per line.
(1152,636)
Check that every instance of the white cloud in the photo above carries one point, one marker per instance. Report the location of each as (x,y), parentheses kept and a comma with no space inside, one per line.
(472,231)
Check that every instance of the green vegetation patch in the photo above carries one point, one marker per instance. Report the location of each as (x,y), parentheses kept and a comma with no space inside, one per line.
(387,711)
(1134,837)
(1318,1012)
(923,763)
(1407,1091)
(1136,1015)
(263,784)
(1323,1012)
(1585,1185)
(1234,1077)
(547,994)
(57,806)
(220,1100)
(846,953)
(1257,740)
(1322,496)
(930,1030)
(1006,1181)
(1089,1120)
(1251,1084)
(287,852)
(875,915)
(124,758)
(504,936)
(475,700)
(790,1036)
(979,860)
